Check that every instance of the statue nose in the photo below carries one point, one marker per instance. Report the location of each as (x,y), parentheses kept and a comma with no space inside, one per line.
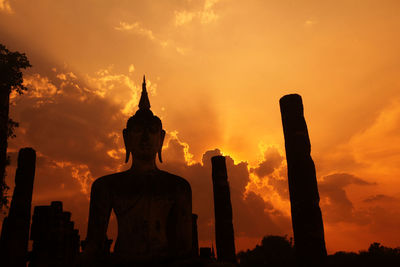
(145,135)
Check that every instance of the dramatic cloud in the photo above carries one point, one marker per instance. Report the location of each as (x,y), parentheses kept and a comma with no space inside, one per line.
(379,198)
(5,6)
(252,216)
(208,14)
(205,15)
(215,75)
(269,179)
(135,28)
(71,125)
(335,203)
(379,145)
(84,117)
(183,17)
(273,159)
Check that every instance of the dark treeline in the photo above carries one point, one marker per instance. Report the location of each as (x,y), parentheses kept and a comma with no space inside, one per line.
(280,251)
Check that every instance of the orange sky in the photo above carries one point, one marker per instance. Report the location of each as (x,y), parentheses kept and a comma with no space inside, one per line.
(216,70)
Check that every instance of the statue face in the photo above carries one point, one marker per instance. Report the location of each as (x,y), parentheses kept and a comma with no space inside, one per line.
(144,140)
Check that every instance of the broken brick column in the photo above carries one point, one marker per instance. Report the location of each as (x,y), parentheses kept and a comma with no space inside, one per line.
(308,228)
(55,241)
(15,229)
(224,236)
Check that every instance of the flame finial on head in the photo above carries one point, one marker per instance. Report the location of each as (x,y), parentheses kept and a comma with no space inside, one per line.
(144,102)
(144,116)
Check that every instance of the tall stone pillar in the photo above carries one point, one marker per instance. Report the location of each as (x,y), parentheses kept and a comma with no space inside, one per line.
(224,236)
(307,222)
(195,236)
(15,230)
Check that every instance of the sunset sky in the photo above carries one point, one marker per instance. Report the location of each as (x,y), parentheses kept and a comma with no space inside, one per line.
(216,70)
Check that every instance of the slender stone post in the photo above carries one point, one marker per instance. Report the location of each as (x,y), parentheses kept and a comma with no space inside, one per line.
(15,230)
(308,228)
(195,236)
(224,236)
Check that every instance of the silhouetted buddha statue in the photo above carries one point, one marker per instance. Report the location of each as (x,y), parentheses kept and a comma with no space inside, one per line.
(153,207)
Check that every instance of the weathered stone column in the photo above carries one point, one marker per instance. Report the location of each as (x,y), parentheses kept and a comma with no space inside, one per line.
(15,230)
(307,222)
(224,236)
(195,236)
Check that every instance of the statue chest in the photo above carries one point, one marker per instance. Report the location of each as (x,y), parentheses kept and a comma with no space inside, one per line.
(146,205)
(142,213)
(144,198)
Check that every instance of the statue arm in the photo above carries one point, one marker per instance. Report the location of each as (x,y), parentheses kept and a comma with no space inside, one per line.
(183,224)
(99,215)
(187,222)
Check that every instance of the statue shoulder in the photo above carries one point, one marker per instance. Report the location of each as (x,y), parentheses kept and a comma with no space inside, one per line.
(179,181)
(107,181)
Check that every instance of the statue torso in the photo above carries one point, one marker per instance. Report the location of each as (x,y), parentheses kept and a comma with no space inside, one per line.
(148,208)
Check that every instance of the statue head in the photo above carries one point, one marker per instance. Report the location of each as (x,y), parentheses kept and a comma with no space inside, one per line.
(143,135)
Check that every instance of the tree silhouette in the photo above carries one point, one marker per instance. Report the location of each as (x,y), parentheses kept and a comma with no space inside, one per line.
(273,251)
(11,64)
(279,251)
(376,255)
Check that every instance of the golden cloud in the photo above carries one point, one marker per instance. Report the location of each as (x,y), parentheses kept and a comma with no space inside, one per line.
(5,6)
(206,15)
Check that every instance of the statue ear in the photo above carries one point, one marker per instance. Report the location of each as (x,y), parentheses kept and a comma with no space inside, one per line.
(126,142)
(161,145)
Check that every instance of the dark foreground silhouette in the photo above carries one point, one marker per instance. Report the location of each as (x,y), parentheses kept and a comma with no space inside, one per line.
(153,207)
(308,228)
(11,66)
(156,226)
(280,251)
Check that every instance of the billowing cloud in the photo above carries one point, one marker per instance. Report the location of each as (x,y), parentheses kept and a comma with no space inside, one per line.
(252,216)
(83,113)
(138,29)
(273,159)
(335,203)
(378,145)
(62,109)
(379,198)
(5,6)
(135,28)
(74,123)
(269,179)
(208,14)
(183,17)
(205,15)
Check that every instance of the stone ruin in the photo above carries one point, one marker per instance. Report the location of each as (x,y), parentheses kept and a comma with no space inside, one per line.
(55,240)
(308,228)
